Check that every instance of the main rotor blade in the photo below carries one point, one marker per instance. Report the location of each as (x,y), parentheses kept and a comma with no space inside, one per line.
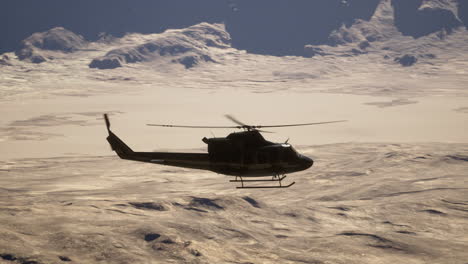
(233,119)
(263,131)
(305,124)
(158,125)
(244,126)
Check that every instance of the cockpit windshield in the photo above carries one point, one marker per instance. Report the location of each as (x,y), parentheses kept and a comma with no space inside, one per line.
(289,152)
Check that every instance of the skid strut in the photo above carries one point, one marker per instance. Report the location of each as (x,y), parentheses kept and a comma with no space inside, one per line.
(276,178)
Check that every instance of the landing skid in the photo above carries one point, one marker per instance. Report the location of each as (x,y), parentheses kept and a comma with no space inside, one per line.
(276,178)
(266,187)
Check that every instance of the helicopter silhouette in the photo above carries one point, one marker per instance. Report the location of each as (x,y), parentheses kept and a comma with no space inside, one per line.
(244,154)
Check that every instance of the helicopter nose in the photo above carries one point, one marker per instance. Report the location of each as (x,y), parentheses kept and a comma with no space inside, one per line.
(306,162)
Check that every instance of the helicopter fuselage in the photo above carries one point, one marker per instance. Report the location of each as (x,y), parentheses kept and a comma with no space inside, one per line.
(245,154)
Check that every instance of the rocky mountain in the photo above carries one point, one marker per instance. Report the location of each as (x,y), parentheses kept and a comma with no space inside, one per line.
(271,27)
(188,47)
(34,48)
(403,31)
(405,43)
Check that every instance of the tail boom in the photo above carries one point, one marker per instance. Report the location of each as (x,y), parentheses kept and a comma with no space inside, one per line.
(185,160)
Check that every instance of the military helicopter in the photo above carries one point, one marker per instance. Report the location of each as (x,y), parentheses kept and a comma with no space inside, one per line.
(244,154)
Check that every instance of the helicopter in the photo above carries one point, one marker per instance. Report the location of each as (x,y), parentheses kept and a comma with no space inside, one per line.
(245,155)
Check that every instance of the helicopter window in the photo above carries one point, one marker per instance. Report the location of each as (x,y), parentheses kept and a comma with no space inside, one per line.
(289,153)
(295,152)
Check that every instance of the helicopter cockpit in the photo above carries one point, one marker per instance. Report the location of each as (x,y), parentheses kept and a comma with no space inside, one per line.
(288,152)
(277,153)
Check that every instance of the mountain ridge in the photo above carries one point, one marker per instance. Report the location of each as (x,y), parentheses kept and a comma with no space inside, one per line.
(379,33)
(261,27)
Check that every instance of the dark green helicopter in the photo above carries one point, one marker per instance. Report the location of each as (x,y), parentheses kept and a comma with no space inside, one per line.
(243,154)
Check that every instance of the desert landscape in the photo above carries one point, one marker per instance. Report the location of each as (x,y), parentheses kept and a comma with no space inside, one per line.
(387,186)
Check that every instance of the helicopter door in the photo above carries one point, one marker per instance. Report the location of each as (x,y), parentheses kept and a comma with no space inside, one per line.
(263,157)
(280,155)
(276,155)
(270,156)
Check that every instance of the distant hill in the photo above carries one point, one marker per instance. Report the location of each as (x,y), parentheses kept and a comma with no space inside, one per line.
(56,39)
(188,47)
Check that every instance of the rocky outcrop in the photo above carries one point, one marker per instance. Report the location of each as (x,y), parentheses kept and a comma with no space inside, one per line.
(387,32)
(105,63)
(359,35)
(188,47)
(5,61)
(378,28)
(193,60)
(406,60)
(56,39)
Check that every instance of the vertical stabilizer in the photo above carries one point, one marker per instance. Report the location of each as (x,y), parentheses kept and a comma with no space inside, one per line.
(116,143)
(107,122)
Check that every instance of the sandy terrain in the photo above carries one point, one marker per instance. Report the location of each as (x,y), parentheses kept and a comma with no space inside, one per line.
(360,203)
